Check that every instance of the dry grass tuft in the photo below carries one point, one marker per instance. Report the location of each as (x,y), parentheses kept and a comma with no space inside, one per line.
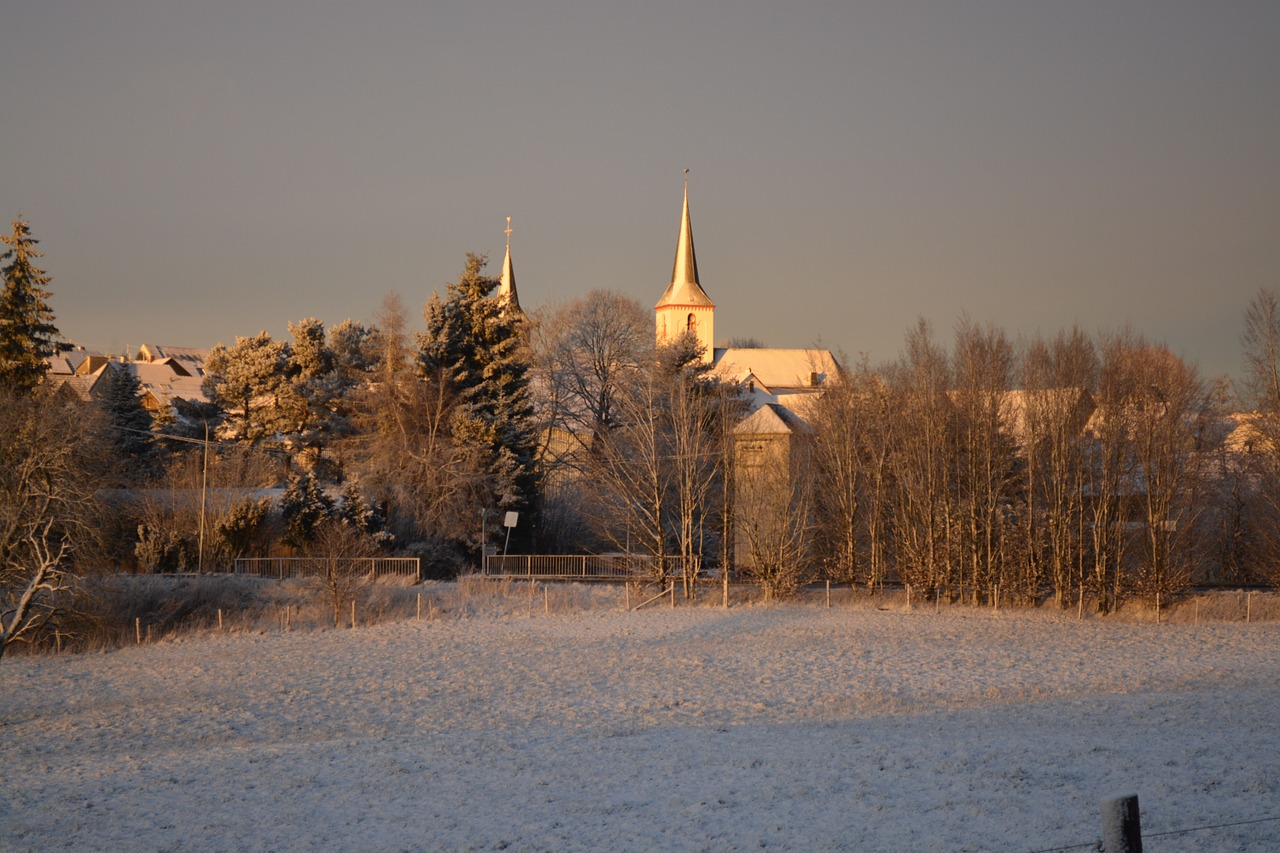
(110,611)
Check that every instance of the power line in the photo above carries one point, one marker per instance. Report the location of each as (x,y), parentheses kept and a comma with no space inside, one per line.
(169,437)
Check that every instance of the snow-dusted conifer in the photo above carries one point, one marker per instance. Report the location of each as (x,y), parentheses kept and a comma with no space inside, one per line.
(304,506)
(315,399)
(480,349)
(245,381)
(27,333)
(130,422)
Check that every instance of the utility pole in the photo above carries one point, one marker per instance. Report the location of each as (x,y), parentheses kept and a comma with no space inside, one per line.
(204,491)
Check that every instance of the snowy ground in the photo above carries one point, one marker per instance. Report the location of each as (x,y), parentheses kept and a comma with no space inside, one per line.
(787,728)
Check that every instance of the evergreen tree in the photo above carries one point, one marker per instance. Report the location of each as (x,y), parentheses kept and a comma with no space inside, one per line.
(304,506)
(357,348)
(237,531)
(246,381)
(129,421)
(479,348)
(27,333)
(316,399)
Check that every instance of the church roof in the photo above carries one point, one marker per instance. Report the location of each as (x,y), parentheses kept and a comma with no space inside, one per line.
(779,369)
(507,281)
(685,288)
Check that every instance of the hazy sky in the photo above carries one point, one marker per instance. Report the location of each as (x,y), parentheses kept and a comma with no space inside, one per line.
(197,171)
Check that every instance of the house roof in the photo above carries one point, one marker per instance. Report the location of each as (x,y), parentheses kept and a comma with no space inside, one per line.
(80,385)
(772,419)
(164,381)
(189,359)
(69,362)
(1056,403)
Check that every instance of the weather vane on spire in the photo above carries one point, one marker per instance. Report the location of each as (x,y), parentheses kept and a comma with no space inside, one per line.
(508,231)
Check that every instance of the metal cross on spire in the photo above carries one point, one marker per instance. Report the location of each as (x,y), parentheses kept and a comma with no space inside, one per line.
(508,232)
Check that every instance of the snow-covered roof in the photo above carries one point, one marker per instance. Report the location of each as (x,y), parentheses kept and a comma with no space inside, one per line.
(78,384)
(164,381)
(1055,403)
(772,419)
(190,359)
(779,369)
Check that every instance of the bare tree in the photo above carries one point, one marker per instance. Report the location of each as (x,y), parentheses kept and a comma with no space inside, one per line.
(587,355)
(33,576)
(1110,467)
(630,471)
(403,449)
(695,461)
(1261,344)
(50,460)
(335,557)
(1236,511)
(924,472)
(852,425)
(1060,376)
(774,512)
(656,471)
(983,369)
(1168,401)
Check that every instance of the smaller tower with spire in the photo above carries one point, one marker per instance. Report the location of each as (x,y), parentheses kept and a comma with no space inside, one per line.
(507,282)
(685,306)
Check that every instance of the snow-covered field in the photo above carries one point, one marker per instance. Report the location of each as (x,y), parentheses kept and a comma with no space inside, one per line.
(788,728)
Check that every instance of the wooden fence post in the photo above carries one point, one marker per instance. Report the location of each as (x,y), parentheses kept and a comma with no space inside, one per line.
(1121,826)
(353,613)
(137,629)
(828,593)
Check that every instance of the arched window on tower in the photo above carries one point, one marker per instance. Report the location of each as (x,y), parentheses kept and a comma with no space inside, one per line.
(692,325)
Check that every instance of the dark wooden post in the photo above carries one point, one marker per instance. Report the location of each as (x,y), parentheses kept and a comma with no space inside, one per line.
(1121,827)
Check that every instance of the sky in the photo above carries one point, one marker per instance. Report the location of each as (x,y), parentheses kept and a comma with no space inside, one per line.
(198,171)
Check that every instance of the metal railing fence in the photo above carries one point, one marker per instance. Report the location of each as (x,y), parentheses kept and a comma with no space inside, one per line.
(305,567)
(602,567)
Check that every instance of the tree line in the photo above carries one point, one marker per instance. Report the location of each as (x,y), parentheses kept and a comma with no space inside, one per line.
(1079,467)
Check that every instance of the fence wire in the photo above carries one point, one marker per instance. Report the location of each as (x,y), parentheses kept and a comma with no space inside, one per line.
(1097,845)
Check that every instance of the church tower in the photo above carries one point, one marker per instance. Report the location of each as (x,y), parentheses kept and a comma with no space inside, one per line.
(507,282)
(685,306)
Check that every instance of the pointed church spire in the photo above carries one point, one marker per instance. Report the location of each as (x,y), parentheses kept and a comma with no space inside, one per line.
(685,308)
(507,283)
(685,289)
(685,269)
